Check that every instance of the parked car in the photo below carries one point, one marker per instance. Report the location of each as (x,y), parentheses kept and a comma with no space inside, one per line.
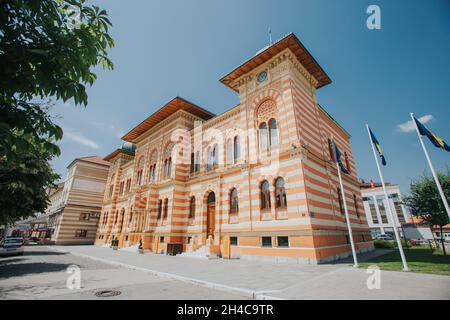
(11,246)
(385,237)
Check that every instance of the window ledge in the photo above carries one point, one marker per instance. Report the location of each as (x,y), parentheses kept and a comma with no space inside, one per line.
(281,214)
(233,218)
(266,215)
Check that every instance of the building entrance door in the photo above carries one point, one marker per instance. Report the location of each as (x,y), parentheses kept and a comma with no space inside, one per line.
(210,215)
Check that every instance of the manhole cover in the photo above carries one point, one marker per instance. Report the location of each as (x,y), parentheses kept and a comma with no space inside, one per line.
(107,293)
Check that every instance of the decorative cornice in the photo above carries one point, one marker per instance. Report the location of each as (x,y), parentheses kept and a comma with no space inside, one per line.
(224,116)
(172,119)
(247,82)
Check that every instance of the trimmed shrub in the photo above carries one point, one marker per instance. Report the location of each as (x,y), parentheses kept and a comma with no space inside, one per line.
(383,244)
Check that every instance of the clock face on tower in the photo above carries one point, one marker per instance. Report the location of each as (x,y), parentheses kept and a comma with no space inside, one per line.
(262,76)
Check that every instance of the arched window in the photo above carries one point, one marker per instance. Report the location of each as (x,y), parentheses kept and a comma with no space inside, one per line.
(153,173)
(211,197)
(263,137)
(234,203)
(111,187)
(209,160)
(121,188)
(122,217)
(165,168)
(159,209)
(130,215)
(273,132)
(168,161)
(330,149)
(229,151)
(166,208)
(237,148)
(152,168)
(265,195)
(105,218)
(197,161)
(192,207)
(215,156)
(169,167)
(280,193)
(140,169)
(116,217)
(192,162)
(139,177)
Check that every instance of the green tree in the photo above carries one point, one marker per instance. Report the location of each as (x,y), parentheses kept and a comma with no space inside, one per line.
(425,201)
(48,49)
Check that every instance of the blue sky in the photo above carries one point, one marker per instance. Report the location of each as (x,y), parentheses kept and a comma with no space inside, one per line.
(169,48)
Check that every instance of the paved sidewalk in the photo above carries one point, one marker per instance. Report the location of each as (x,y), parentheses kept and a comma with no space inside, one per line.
(270,280)
(41,273)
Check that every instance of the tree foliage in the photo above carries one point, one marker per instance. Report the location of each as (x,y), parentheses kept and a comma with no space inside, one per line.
(425,201)
(48,49)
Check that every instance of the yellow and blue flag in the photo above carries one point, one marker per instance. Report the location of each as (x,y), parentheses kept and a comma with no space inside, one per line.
(378,147)
(337,157)
(438,142)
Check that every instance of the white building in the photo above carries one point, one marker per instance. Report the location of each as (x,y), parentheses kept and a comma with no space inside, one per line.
(375,208)
(75,205)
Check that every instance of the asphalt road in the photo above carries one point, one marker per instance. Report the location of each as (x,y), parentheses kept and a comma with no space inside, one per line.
(41,274)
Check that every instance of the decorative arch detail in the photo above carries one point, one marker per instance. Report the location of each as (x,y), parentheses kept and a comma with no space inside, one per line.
(266,110)
(267,94)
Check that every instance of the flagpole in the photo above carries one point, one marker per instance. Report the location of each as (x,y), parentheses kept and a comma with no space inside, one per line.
(391,215)
(444,200)
(355,259)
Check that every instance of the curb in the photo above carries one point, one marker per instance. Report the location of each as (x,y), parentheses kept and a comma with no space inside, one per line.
(201,283)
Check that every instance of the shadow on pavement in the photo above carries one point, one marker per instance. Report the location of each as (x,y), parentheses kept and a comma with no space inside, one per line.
(361,257)
(21,269)
(44,253)
(8,261)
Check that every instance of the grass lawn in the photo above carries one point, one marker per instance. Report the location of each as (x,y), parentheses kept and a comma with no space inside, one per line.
(420,259)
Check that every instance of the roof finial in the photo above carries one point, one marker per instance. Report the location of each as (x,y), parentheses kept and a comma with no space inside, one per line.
(270,37)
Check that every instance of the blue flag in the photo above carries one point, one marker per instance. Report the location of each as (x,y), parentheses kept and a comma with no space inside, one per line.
(438,142)
(378,147)
(337,157)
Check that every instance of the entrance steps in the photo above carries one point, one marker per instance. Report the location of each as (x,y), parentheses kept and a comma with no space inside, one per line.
(200,253)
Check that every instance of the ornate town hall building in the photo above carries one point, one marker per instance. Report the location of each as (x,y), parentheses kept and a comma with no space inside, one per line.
(257,181)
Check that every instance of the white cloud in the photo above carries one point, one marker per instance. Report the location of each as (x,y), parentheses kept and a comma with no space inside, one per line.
(109,128)
(409,125)
(79,138)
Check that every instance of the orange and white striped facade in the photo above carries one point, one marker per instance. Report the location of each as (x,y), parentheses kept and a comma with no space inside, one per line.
(255,182)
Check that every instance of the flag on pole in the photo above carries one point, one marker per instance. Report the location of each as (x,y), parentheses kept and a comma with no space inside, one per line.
(421,131)
(438,142)
(378,147)
(341,168)
(337,158)
(374,143)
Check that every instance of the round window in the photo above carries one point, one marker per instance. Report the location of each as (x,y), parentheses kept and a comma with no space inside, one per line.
(262,76)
